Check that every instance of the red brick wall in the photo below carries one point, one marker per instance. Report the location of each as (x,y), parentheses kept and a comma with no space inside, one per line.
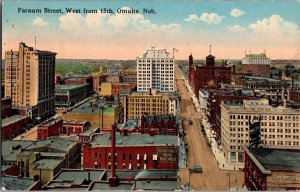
(14,129)
(295,95)
(256,69)
(43,131)
(13,170)
(103,159)
(202,76)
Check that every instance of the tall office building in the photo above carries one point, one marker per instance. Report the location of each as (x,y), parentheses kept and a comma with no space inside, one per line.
(29,80)
(279,126)
(155,70)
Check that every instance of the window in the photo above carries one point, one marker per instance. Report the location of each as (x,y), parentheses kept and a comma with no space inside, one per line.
(96,155)
(124,156)
(130,156)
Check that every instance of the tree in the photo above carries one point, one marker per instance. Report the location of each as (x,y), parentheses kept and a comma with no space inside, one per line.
(288,69)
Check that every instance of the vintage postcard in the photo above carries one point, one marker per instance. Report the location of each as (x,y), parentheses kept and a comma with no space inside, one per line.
(150,95)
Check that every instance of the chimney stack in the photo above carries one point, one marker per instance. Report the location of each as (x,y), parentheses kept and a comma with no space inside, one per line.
(113,180)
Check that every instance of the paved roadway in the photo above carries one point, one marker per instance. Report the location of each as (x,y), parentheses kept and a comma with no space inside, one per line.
(199,153)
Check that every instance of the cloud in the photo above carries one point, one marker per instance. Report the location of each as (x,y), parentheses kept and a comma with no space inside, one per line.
(274,25)
(235,29)
(208,18)
(236,12)
(71,21)
(118,22)
(211,18)
(192,18)
(39,22)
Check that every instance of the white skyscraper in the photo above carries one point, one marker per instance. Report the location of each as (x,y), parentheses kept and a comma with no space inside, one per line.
(155,69)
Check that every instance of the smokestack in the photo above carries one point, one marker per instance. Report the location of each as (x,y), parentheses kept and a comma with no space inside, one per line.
(113,180)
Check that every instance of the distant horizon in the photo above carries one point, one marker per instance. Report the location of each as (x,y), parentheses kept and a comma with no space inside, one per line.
(230,27)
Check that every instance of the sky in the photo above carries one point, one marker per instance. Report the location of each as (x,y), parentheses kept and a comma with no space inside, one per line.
(232,28)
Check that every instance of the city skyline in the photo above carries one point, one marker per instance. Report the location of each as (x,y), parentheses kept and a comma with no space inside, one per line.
(230,27)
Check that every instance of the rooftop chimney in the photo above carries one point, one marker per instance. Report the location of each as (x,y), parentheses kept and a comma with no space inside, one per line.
(113,180)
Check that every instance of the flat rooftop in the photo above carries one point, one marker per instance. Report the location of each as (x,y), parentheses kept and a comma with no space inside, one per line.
(69,87)
(47,163)
(157,185)
(10,149)
(104,185)
(57,143)
(68,177)
(260,78)
(13,183)
(13,119)
(108,108)
(277,159)
(103,139)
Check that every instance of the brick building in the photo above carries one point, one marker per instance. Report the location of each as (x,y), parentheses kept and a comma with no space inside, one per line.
(116,78)
(80,81)
(159,125)
(134,151)
(6,104)
(215,98)
(256,64)
(113,88)
(272,169)
(295,95)
(76,127)
(152,125)
(68,95)
(130,78)
(14,126)
(208,76)
(97,81)
(49,128)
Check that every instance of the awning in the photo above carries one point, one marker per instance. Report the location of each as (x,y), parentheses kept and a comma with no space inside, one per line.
(154,157)
(145,157)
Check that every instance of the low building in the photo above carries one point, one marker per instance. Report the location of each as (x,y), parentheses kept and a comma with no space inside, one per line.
(77,127)
(45,158)
(130,78)
(108,89)
(203,96)
(257,64)
(49,128)
(80,81)
(273,89)
(97,179)
(97,81)
(10,150)
(272,169)
(114,78)
(98,112)
(134,151)
(68,95)
(279,126)
(159,125)
(150,104)
(19,183)
(14,126)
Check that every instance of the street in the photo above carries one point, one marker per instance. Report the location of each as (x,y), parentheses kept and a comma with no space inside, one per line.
(200,153)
